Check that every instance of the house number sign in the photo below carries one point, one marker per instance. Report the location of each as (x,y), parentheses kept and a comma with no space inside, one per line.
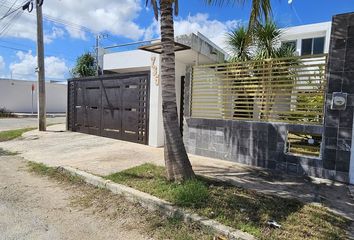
(154,70)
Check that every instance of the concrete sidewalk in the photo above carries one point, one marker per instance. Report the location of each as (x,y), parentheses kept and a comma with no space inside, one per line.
(102,156)
(16,123)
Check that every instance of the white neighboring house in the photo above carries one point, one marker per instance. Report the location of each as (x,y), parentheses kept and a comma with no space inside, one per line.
(308,39)
(16,96)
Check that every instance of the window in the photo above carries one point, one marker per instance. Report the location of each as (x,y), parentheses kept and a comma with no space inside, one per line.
(306,46)
(311,46)
(318,45)
(291,44)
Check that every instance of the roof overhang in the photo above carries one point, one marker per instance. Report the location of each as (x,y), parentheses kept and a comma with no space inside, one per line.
(157,47)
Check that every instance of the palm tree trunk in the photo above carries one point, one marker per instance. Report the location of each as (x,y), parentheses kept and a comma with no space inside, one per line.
(178,166)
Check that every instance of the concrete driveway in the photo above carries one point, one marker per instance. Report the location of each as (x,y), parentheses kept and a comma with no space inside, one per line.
(97,155)
(103,156)
(16,123)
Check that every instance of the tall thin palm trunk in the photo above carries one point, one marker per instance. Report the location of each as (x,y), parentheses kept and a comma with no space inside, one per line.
(177,163)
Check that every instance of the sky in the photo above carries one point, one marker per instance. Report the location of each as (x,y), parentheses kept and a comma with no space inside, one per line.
(70,27)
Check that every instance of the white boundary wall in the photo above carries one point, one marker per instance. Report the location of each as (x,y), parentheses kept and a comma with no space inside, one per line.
(16,96)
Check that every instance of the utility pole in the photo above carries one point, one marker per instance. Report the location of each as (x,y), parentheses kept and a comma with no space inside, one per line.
(40,69)
(98,39)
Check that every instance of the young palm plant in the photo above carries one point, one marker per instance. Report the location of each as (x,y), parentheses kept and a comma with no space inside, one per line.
(239,44)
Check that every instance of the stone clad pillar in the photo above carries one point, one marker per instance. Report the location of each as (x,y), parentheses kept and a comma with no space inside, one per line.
(338,124)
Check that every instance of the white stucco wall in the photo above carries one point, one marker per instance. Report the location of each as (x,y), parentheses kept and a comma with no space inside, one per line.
(136,60)
(156,132)
(308,31)
(16,96)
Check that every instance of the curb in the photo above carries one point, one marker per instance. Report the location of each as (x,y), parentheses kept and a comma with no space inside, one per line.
(155,204)
(30,115)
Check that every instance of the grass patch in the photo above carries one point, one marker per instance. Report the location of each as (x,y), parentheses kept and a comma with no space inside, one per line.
(52,172)
(12,134)
(242,209)
(175,228)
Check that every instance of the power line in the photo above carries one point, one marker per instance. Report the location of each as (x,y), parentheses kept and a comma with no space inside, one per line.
(10,22)
(62,22)
(12,48)
(17,14)
(10,11)
(26,50)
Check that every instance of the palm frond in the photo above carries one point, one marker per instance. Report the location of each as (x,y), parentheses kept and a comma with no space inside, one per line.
(267,36)
(224,2)
(239,43)
(176,7)
(155,7)
(261,10)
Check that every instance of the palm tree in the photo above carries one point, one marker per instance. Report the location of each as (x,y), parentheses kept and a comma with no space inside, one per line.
(261,11)
(178,166)
(264,44)
(267,37)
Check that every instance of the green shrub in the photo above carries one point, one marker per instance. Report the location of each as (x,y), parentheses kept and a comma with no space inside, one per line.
(4,113)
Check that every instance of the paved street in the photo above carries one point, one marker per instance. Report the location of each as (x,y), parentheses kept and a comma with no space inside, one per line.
(16,123)
(34,207)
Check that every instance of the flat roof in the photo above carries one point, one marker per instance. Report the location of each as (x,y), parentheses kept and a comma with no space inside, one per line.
(157,47)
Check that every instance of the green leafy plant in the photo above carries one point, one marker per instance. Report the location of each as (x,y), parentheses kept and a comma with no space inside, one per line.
(85,66)
(4,113)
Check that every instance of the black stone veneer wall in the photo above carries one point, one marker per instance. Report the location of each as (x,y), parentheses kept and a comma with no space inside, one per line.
(248,142)
(339,123)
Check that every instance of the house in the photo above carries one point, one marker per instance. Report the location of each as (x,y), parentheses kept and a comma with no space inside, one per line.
(309,39)
(195,49)
(216,102)
(20,96)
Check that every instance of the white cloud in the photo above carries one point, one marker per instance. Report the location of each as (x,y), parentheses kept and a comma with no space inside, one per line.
(55,67)
(115,17)
(2,64)
(24,68)
(213,29)
(55,33)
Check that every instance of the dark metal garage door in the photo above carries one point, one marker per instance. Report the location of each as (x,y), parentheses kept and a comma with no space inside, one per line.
(115,106)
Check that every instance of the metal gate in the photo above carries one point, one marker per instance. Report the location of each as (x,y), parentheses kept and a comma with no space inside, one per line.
(114,106)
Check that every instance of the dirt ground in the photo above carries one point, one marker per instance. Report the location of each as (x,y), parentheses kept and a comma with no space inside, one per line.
(36,207)
(32,207)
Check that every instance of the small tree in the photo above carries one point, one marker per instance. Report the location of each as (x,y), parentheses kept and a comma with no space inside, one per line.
(85,66)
